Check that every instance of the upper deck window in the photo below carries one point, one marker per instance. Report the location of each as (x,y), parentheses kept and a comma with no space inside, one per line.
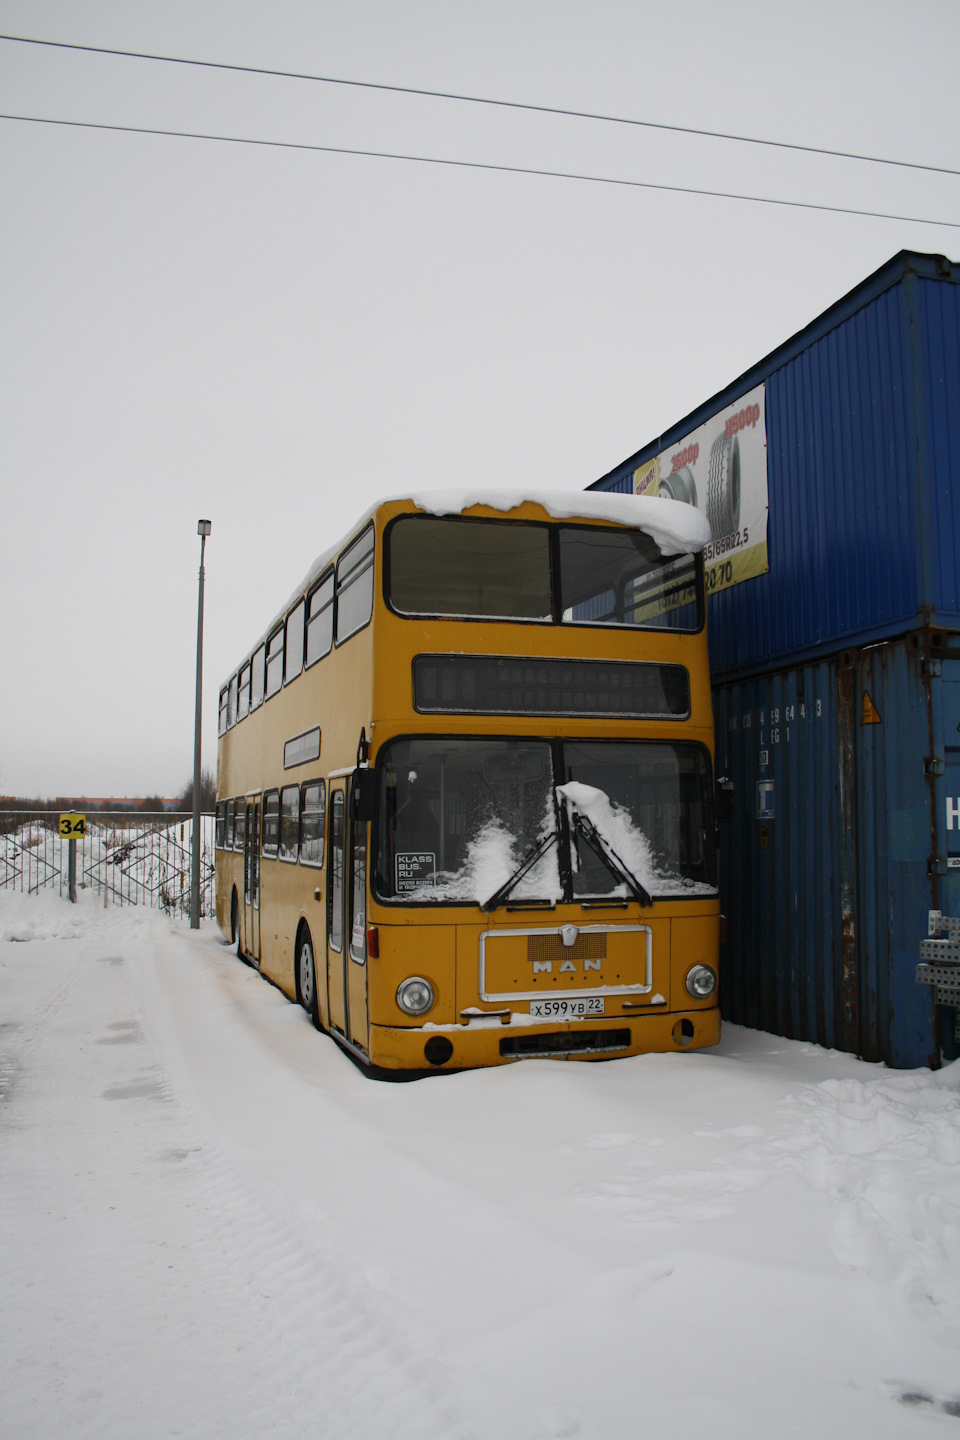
(275,662)
(294,643)
(222,719)
(502,570)
(232,703)
(485,569)
(320,621)
(355,586)
(243,695)
(256,683)
(620,577)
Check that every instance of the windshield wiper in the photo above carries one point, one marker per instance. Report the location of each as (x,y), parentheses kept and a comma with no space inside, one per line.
(526,864)
(610,858)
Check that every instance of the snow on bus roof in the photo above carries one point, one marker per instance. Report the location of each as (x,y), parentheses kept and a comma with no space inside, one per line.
(677,528)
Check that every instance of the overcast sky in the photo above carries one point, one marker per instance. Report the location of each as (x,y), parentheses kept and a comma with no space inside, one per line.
(273,338)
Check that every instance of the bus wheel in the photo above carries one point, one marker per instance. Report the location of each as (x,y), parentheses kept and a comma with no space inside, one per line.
(307,976)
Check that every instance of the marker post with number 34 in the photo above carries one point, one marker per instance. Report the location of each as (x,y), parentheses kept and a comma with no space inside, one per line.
(72,825)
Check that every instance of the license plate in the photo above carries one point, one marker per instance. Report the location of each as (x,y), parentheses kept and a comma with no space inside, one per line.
(567,1009)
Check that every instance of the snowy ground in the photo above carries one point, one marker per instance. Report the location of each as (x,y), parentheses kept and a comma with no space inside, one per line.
(213,1225)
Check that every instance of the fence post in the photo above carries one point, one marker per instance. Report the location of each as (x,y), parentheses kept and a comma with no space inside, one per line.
(72,870)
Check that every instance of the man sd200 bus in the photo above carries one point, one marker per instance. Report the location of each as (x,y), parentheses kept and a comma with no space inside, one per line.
(465,786)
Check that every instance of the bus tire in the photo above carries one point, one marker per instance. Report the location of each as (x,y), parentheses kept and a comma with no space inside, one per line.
(307,976)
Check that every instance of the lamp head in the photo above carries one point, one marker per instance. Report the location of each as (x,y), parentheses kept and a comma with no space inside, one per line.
(203,527)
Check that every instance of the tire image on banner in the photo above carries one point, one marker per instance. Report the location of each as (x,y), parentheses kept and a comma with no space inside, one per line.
(721,469)
(680,486)
(723,487)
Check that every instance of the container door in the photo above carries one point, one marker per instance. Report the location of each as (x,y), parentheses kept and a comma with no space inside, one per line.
(949,789)
(251,878)
(336,959)
(356,932)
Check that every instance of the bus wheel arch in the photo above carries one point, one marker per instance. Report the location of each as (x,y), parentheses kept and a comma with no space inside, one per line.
(306,974)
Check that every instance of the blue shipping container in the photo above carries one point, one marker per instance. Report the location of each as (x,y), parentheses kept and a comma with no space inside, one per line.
(837,673)
(845,821)
(863,449)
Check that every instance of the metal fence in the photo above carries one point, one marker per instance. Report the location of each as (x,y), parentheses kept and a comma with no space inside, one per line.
(126,858)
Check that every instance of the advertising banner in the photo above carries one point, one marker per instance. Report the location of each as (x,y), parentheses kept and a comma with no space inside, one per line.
(721,468)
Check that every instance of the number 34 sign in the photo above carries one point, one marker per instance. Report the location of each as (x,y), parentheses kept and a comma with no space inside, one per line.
(72,825)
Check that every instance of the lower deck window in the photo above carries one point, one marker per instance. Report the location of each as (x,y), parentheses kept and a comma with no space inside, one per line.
(271,823)
(289,822)
(311,824)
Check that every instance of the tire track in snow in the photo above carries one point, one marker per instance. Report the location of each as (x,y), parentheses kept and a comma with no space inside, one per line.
(189,1301)
(346,1351)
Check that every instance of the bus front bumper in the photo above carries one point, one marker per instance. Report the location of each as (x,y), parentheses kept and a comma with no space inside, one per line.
(487,1042)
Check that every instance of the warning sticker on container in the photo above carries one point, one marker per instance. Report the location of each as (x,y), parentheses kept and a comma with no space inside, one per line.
(765,807)
(721,468)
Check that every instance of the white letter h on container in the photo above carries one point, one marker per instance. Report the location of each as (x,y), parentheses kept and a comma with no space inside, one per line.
(953,812)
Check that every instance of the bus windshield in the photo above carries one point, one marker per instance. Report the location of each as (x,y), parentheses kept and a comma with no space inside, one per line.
(457,817)
(574,574)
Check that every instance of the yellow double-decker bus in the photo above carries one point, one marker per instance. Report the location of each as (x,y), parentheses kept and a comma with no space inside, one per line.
(465,791)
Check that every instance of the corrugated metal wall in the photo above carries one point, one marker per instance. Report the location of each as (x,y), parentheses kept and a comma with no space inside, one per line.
(843,494)
(827,898)
(939,310)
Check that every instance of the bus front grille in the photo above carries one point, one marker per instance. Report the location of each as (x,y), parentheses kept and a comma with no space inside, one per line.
(564,1042)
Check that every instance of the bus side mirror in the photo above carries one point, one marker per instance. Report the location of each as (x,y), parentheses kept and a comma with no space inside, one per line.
(364,795)
(723,804)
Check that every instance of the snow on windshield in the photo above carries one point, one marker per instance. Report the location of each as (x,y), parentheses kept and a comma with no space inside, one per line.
(492,856)
(615,826)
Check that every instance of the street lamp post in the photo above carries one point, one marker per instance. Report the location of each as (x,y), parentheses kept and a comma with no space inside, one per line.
(203,530)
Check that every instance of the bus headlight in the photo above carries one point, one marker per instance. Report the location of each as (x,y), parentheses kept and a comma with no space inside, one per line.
(415,995)
(701,981)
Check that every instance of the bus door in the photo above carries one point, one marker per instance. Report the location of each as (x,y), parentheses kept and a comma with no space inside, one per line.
(335,957)
(347,921)
(251,878)
(355,931)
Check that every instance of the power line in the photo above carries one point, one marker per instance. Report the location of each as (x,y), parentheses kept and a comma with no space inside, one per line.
(482,100)
(476,165)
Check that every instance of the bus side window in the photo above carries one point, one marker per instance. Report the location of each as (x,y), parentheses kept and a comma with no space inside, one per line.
(238,825)
(335,881)
(243,696)
(320,621)
(232,704)
(294,643)
(222,719)
(218,837)
(358,892)
(274,662)
(289,822)
(271,823)
(228,828)
(355,586)
(256,681)
(311,824)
